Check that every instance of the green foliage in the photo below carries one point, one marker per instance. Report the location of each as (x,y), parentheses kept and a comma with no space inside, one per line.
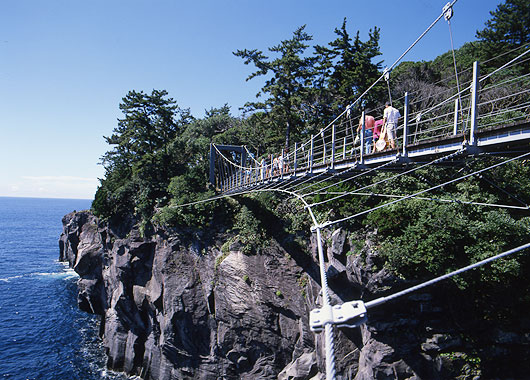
(159,162)
(509,27)
(357,246)
(250,232)
(220,259)
(424,238)
(114,199)
(304,92)
(288,86)
(157,168)
(138,168)
(255,132)
(198,215)
(350,68)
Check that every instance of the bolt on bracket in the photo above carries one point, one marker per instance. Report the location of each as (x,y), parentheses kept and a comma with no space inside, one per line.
(349,314)
(448,11)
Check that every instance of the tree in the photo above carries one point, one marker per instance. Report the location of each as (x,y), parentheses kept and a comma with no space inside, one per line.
(149,122)
(508,28)
(140,165)
(190,182)
(352,69)
(509,25)
(289,84)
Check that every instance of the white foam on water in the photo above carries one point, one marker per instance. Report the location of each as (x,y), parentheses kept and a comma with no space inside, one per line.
(8,279)
(65,274)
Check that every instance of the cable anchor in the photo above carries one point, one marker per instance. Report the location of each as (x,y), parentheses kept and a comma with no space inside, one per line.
(386,73)
(349,314)
(447,11)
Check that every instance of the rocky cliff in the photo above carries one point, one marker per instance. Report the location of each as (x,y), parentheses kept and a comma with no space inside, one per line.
(190,305)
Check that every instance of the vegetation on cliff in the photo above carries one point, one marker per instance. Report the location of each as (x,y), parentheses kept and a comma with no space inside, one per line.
(159,158)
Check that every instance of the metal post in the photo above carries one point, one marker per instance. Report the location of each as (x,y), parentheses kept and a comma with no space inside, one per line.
(212,165)
(406,124)
(244,166)
(225,177)
(323,147)
(229,185)
(474,102)
(344,149)
(281,163)
(455,129)
(311,155)
(332,146)
(295,157)
(221,177)
(244,157)
(362,137)
(328,332)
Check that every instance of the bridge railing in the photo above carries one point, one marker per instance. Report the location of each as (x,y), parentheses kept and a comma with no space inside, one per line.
(448,117)
(504,97)
(444,110)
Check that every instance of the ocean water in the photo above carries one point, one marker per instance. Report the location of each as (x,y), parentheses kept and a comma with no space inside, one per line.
(43,335)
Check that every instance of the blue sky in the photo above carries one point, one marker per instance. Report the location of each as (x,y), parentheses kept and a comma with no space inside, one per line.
(66,64)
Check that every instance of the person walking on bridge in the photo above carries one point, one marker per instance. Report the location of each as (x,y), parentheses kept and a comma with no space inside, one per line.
(369,121)
(390,121)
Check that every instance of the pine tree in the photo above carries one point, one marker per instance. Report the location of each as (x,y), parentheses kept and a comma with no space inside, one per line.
(510,24)
(289,86)
(140,165)
(508,28)
(352,68)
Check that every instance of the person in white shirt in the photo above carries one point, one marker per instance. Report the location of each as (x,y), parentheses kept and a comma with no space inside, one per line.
(263,169)
(390,120)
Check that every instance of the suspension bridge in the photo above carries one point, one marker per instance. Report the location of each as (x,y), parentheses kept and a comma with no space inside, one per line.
(469,116)
(490,119)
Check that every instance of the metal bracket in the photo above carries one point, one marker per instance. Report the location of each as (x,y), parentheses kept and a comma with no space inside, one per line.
(471,149)
(349,314)
(447,11)
(386,73)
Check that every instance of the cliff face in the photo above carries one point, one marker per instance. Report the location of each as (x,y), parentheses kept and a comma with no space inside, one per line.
(178,306)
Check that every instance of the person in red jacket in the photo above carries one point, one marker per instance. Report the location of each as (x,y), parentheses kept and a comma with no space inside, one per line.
(378,125)
(368,130)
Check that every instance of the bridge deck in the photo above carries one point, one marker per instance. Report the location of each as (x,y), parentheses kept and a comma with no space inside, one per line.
(504,140)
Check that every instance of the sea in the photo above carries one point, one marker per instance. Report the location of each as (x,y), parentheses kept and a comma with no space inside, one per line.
(43,335)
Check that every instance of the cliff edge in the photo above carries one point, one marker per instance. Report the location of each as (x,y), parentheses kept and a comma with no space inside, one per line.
(186,305)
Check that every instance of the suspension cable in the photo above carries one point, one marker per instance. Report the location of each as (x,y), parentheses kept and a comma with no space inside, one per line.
(432,199)
(454,63)
(504,66)
(382,300)
(394,177)
(351,178)
(329,223)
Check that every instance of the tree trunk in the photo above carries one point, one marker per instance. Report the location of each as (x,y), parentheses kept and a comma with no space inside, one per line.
(287,133)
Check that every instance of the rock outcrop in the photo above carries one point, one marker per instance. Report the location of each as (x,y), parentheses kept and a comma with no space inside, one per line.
(182,305)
